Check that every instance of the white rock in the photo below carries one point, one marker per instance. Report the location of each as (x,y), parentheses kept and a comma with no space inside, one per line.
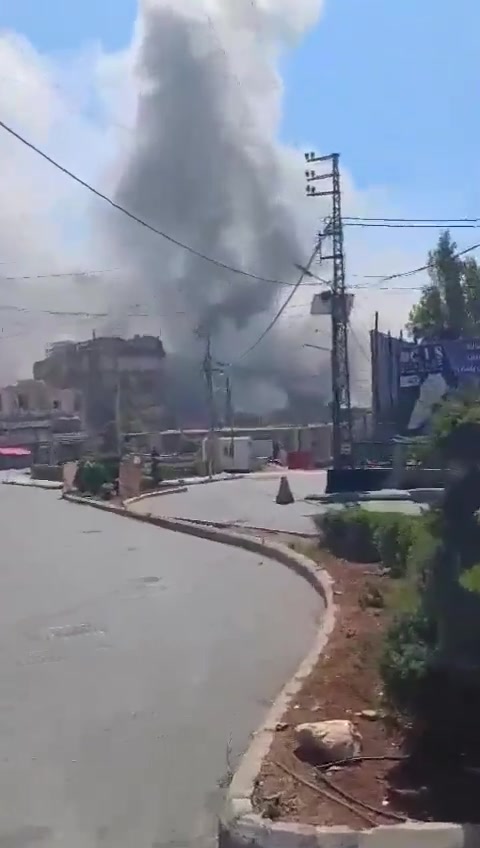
(332,740)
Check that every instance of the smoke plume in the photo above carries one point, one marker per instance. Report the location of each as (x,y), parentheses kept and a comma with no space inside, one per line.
(205,167)
(198,96)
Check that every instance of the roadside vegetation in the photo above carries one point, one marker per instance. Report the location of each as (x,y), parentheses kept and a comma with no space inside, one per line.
(403,663)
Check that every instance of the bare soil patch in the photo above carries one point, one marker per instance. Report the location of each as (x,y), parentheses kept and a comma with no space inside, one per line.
(385,786)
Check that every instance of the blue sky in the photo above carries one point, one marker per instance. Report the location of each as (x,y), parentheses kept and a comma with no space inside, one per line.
(51,28)
(392,85)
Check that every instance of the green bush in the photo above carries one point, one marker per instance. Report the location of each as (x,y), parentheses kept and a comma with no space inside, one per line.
(395,536)
(404,544)
(366,536)
(91,476)
(348,534)
(405,660)
(422,549)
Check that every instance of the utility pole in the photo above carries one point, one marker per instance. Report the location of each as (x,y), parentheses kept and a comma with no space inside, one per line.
(212,412)
(332,233)
(229,416)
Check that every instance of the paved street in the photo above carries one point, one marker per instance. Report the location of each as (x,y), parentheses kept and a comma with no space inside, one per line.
(248,502)
(132,661)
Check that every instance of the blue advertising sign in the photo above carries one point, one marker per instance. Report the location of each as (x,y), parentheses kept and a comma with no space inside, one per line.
(410,380)
(463,356)
(416,361)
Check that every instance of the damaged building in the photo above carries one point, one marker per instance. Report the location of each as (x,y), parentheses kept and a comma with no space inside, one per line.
(41,419)
(120,381)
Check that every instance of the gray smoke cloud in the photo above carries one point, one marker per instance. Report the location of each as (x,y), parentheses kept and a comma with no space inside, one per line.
(198,96)
(205,167)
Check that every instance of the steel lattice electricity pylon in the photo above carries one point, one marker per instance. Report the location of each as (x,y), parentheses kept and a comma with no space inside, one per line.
(340,304)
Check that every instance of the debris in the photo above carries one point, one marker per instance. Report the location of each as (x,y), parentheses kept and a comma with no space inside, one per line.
(332,740)
(371,715)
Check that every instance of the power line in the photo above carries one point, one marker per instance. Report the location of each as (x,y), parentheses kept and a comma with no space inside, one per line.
(408,226)
(425,267)
(413,220)
(177,242)
(131,215)
(98,273)
(60,274)
(80,314)
(360,345)
(283,306)
(381,278)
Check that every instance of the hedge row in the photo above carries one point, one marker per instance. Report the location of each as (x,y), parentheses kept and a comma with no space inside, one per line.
(360,535)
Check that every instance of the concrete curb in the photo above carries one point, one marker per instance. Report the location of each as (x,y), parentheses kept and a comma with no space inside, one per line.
(34,484)
(225,525)
(174,490)
(318,578)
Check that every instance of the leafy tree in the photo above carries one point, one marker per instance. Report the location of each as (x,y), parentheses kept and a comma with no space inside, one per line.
(471,290)
(461,408)
(449,306)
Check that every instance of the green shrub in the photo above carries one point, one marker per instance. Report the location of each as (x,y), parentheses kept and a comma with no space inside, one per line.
(404,542)
(421,551)
(405,660)
(348,534)
(91,476)
(365,536)
(392,536)
(471,579)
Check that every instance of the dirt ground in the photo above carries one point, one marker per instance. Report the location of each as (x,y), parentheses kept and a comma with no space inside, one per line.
(385,789)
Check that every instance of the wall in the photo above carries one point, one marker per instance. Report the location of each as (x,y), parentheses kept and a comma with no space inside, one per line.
(34,396)
(118,378)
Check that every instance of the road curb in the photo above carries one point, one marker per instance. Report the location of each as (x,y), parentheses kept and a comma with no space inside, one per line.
(50,485)
(318,578)
(226,525)
(220,525)
(158,493)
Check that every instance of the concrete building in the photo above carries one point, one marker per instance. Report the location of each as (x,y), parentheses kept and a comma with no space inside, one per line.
(120,381)
(41,419)
(50,440)
(28,396)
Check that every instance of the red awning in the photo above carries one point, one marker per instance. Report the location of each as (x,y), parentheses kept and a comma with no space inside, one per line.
(15,452)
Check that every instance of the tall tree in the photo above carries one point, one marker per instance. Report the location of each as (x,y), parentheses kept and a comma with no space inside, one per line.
(471,289)
(449,306)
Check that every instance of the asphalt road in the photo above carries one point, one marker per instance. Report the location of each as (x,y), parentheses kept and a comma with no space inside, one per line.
(246,502)
(134,664)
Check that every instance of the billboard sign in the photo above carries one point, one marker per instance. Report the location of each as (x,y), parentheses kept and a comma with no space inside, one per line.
(411,379)
(463,356)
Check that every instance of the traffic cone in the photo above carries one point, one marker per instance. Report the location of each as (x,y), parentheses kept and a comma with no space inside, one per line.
(284,495)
